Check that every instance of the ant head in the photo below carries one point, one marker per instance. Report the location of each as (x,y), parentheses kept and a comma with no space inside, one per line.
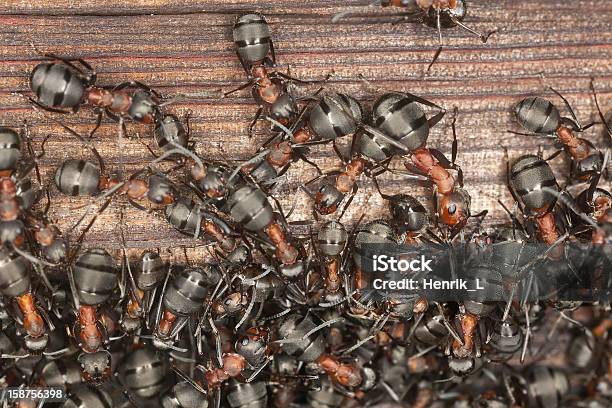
(161,190)
(590,166)
(408,213)
(36,345)
(454,208)
(253,345)
(212,180)
(284,109)
(327,199)
(144,107)
(96,367)
(231,304)
(130,325)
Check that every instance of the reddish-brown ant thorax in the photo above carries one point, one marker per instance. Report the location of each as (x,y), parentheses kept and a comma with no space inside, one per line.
(259,71)
(547,227)
(136,189)
(46,235)
(420,306)
(166,323)
(601,205)
(233,364)
(8,189)
(214,377)
(303,135)
(281,154)
(287,254)
(121,102)
(348,375)
(382,338)
(321,208)
(268,91)
(468,326)
(197,172)
(436,4)
(32,321)
(257,333)
(328,363)
(108,183)
(99,97)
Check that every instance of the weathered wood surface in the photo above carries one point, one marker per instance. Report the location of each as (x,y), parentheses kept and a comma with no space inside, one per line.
(185,47)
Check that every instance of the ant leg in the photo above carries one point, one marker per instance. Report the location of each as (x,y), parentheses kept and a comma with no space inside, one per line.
(42,147)
(280,210)
(27,136)
(383,195)
(254,121)
(90,224)
(268,141)
(307,160)
(454,148)
(455,143)
(567,105)
(87,143)
(508,177)
(439,50)
(531,134)
(349,200)
(91,77)
(240,88)
(339,16)
(301,81)
(423,101)
(483,37)
(527,333)
(98,123)
(338,152)
(121,125)
(138,84)
(555,154)
(601,115)
(434,59)
(272,53)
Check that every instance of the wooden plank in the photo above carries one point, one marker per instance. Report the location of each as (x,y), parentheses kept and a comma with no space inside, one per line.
(184,47)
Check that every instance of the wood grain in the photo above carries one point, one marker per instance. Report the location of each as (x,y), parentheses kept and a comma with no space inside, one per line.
(185,48)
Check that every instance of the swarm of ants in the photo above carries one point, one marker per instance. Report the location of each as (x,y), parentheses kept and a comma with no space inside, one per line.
(283,318)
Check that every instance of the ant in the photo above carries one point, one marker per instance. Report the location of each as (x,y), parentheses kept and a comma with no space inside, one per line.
(438,14)
(327,121)
(542,118)
(399,116)
(63,86)
(255,50)
(93,279)
(246,202)
(371,149)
